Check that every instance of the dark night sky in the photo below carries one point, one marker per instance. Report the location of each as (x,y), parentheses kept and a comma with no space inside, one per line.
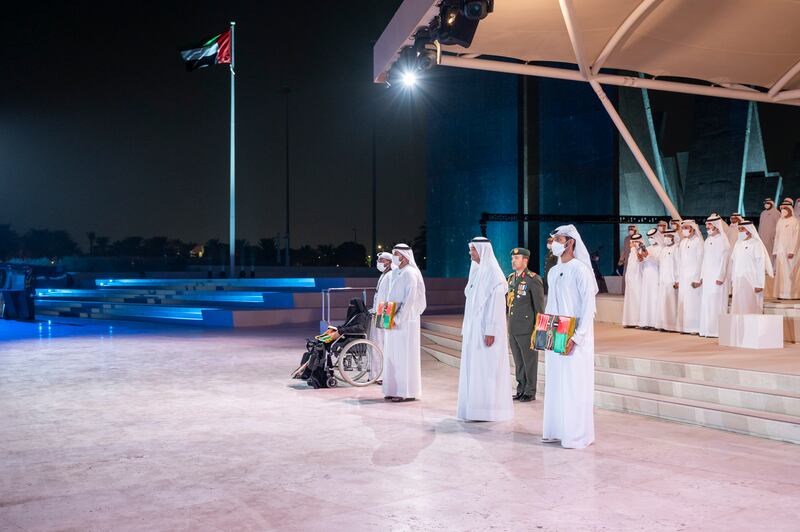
(102,129)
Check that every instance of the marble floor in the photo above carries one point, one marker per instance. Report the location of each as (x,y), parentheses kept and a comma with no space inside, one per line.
(143,427)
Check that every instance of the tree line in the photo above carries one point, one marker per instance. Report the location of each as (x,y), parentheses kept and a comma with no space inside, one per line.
(56,245)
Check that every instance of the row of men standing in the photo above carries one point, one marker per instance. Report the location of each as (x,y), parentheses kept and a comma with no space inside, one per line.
(678,281)
(500,312)
(780,230)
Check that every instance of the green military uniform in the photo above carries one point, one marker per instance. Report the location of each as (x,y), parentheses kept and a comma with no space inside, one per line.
(525,298)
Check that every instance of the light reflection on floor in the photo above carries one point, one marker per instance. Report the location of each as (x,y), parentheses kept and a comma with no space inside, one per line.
(126,426)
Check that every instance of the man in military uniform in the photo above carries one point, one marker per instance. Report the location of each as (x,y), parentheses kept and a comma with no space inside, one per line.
(525,298)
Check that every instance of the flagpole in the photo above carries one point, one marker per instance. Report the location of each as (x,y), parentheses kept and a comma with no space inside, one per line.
(232,235)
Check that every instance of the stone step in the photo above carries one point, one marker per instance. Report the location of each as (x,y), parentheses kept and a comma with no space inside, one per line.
(212,316)
(716,375)
(784,384)
(676,379)
(741,420)
(784,403)
(441,327)
(732,407)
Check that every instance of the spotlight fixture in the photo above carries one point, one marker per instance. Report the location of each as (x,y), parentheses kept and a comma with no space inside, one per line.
(426,57)
(458,20)
(404,70)
(425,60)
(477,9)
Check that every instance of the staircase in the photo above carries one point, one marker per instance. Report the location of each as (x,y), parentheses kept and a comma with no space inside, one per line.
(766,405)
(223,302)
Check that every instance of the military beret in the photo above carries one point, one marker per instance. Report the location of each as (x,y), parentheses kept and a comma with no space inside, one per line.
(521,251)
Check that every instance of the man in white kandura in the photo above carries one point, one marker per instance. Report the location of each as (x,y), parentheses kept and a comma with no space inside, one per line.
(402,373)
(384,265)
(750,265)
(690,292)
(787,233)
(633,283)
(648,307)
(668,277)
(732,230)
(714,276)
(767,222)
(484,381)
(676,226)
(623,254)
(569,377)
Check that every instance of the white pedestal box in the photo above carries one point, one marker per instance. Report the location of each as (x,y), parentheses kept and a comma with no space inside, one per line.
(753,331)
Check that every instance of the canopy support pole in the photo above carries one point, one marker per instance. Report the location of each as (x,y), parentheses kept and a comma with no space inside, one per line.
(631,23)
(786,78)
(567,11)
(637,153)
(743,175)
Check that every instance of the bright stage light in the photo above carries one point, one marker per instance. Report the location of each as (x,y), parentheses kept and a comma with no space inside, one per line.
(409,79)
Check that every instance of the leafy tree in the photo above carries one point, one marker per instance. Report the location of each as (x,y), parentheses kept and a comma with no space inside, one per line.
(9,242)
(267,250)
(155,246)
(91,236)
(40,243)
(101,245)
(351,254)
(127,247)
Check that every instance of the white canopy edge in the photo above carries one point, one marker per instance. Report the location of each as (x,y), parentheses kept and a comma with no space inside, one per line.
(413,14)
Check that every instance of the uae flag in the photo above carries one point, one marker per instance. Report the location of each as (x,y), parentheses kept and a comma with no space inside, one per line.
(215,51)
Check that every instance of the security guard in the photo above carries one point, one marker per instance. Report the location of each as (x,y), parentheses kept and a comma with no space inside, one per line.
(524,299)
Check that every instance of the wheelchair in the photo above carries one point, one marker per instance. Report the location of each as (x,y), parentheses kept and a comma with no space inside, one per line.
(354,359)
(351,358)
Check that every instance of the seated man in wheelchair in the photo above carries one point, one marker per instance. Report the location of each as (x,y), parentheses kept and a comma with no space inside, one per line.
(316,367)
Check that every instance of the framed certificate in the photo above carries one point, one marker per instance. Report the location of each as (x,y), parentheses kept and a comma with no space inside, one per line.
(552,332)
(384,315)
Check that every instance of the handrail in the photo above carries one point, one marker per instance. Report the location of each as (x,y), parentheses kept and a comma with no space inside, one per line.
(326,298)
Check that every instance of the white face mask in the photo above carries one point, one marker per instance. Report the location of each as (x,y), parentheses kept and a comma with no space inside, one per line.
(395,260)
(381,267)
(685,233)
(558,248)
(669,241)
(742,235)
(631,231)
(550,246)
(767,206)
(653,241)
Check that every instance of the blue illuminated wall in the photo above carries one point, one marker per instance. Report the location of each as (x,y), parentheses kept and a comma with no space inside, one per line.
(575,161)
(472,166)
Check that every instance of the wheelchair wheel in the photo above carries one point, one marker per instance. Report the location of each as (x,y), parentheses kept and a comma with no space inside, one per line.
(360,363)
(332,382)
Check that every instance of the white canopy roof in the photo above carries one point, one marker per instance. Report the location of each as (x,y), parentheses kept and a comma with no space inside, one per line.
(746,49)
